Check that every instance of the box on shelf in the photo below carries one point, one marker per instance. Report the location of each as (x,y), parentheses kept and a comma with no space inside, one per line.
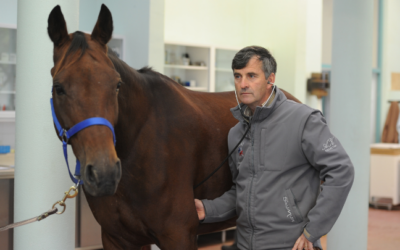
(5,149)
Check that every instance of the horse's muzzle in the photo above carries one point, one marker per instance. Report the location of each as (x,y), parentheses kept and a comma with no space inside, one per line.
(101,180)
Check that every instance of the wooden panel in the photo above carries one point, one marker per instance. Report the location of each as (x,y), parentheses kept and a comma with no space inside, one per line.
(5,214)
(395,81)
(385,151)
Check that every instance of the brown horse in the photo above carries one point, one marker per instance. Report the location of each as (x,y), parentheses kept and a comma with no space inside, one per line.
(168,140)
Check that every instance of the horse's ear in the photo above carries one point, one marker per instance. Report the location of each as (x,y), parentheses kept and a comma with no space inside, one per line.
(103,29)
(57,28)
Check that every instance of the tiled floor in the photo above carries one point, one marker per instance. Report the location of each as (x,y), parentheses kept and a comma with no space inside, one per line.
(383,231)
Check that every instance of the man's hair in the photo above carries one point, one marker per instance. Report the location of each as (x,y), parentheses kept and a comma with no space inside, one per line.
(244,55)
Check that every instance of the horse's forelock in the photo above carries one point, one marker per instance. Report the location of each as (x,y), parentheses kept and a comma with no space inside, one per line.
(78,43)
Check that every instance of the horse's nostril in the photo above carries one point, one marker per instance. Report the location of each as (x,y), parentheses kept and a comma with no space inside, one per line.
(90,175)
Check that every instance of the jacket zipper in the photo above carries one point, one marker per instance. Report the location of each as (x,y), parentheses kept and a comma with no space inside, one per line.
(250,192)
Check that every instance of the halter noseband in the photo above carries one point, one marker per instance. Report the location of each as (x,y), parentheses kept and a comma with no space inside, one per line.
(67,134)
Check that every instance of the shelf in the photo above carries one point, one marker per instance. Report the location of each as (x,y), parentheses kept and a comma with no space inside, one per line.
(173,66)
(7,116)
(7,92)
(197,88)
(12,63)
(224,70)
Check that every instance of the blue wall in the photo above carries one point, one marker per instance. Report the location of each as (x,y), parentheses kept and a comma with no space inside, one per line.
(131,20)
(8,12)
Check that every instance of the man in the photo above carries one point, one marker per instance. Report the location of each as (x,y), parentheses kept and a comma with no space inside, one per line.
(278,168)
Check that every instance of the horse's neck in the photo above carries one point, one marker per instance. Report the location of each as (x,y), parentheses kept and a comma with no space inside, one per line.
(136,102)
(132,103)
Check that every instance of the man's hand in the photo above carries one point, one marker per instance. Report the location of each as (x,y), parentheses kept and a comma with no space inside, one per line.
(302,243)
(200,209)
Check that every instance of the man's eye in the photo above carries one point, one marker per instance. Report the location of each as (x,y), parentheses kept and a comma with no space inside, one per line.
(59,90)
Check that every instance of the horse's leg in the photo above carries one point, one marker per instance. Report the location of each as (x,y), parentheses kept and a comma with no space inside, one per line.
(180,231)
(178,240)
(113,243)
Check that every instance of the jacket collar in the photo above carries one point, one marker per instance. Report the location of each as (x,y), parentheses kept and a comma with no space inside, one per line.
(261,112)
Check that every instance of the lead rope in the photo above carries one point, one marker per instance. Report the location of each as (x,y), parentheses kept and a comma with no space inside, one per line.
(208,177)
(248,123)
(52,211)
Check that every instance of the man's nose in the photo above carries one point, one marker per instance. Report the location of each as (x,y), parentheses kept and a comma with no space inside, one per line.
(243,84)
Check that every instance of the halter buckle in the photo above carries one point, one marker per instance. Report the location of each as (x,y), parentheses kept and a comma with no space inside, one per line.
(64,136)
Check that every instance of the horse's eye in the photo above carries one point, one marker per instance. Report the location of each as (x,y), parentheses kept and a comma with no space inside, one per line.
(118,86)
(59,90)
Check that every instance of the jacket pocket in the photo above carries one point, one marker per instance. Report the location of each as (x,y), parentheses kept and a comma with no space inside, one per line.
(293,212)
(273,148)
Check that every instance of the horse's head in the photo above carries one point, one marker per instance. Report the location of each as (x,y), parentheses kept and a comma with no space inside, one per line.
(85,85)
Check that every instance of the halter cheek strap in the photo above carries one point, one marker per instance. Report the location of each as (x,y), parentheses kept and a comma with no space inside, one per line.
(67,134)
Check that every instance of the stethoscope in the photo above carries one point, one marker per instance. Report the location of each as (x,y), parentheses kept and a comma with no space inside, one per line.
(248,122)
(246,118)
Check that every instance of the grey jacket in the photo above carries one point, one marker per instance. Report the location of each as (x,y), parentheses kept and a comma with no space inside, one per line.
(277,171)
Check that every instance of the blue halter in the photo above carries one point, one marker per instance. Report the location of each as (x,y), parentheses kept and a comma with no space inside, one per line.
(66,134)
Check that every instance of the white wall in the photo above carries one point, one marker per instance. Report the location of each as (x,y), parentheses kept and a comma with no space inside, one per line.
(313,56)
(327,32)
(280,26)
(39,154)
(221,22)
(139,22)
(391,54)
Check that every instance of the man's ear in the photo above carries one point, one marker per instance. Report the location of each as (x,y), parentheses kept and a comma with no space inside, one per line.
(103,29)
(56,27)
(271,78)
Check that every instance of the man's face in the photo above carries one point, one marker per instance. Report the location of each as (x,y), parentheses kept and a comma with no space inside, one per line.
(251,86)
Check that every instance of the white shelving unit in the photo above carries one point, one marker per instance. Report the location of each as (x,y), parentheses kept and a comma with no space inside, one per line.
(214,74)
(7,116)
(224,80)
(8,63)
(8,54)
(194,73)
(117,44)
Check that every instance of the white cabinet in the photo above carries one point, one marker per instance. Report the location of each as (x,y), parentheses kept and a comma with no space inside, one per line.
(188,64)
(8,60)
(385,174)
(117,44)
(224,80)
(200,67)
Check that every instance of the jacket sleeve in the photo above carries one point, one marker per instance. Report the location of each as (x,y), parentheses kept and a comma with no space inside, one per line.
(223,207)
(326,154)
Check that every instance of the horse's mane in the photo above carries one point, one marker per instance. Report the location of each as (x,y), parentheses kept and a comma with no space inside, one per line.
(125,70)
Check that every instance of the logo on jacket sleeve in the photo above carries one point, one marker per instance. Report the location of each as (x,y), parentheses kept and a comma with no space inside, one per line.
(329,145)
